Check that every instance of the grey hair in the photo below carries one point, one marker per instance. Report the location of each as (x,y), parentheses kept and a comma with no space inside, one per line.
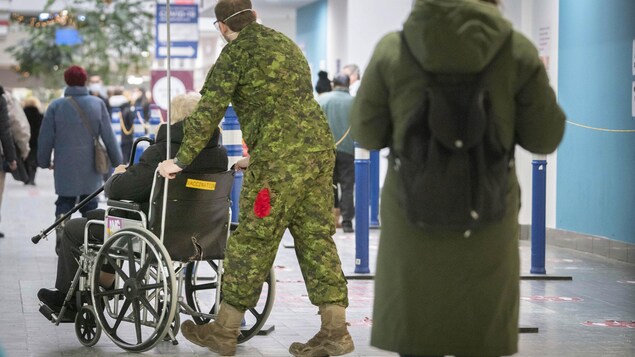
(354,69)
(183,105)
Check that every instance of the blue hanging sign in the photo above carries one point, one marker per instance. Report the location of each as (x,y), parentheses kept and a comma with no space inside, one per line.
(183,31)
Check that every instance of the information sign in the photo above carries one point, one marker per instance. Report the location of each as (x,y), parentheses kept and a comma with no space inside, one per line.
(183,31)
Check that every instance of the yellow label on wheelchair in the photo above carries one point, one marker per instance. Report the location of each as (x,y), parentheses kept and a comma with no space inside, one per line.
(201,185)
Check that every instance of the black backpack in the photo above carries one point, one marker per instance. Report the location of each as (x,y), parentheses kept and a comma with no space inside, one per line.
(453,170)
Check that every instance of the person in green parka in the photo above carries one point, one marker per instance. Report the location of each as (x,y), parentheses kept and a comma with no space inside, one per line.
(436,292)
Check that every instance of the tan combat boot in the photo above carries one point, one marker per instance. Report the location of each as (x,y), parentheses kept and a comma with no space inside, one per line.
(219,336)
(333,338)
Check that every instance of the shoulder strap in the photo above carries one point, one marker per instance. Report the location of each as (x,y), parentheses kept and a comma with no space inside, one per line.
(82,115)
(343,137)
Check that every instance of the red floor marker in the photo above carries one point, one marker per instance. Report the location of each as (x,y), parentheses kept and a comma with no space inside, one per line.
(611,323)
(552,298)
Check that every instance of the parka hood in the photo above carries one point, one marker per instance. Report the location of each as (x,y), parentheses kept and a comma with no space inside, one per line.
(455,36)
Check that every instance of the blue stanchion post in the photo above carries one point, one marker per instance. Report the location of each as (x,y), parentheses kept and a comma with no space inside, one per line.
(139,131)
(538,207)
(233,142)
(115,123)
(374,189)
(362,189)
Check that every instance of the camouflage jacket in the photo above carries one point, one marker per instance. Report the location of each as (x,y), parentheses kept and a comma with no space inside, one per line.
(267,79)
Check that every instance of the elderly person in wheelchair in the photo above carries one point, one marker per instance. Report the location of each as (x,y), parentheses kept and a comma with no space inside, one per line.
(132,183)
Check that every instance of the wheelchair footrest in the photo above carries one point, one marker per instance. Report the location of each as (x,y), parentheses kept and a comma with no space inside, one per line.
(52,316)
(47,312)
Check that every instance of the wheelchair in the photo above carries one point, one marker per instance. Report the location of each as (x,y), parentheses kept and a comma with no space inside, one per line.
(154,261)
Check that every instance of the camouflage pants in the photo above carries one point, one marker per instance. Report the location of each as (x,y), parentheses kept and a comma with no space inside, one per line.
(301,200)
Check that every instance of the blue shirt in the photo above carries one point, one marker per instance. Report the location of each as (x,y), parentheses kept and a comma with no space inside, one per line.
(337,107)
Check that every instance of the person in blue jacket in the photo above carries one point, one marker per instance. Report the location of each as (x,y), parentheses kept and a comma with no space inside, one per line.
(64,134)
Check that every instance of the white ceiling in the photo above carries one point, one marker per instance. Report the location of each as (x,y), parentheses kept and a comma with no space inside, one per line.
(286,3)
(265,8)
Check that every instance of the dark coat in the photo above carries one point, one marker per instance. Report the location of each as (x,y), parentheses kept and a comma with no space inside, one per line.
(63,130)
(35,121)
(136,183)
(6,138)
(127,120)
(436,292)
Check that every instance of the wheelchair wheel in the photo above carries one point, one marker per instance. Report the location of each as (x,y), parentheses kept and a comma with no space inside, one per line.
(87,329)
(145,293)
(175,326)
(256,317)
(201,282)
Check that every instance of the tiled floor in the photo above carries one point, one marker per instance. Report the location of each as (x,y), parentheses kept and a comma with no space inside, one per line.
(592,315)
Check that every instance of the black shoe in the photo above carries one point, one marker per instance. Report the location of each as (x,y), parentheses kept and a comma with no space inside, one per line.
(347,227)
(1,235)
(52,298)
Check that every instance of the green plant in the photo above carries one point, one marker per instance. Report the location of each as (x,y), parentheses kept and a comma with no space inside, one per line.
(116,36)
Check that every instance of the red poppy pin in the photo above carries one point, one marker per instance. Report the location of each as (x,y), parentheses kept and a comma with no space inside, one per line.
(262,206)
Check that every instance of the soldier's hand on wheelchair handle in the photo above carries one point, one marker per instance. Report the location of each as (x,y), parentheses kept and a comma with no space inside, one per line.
(169,169)
(120,169)
(241,164)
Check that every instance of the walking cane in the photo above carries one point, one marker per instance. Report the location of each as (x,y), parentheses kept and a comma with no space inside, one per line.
(36,239)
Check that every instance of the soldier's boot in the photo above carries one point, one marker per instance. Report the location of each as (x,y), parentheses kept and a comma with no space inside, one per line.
(333,338)
(336,217)
(220,336)
(59,233)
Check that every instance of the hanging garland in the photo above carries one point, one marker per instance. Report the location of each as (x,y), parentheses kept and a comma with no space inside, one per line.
(34,21)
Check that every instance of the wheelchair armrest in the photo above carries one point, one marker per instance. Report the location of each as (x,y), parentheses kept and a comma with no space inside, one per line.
(128,205)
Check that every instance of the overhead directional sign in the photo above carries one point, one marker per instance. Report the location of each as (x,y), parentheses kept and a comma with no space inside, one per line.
(183,31)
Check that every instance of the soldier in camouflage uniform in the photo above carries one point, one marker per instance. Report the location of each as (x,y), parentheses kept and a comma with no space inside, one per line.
(288,184)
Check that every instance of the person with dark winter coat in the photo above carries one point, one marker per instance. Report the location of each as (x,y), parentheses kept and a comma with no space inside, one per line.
(440,291)
(127,117)
(141,100)
(33,112)
(132,183)
(323,84)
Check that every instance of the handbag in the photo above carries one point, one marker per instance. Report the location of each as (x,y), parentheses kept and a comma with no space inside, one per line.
(102,162)
(20,173)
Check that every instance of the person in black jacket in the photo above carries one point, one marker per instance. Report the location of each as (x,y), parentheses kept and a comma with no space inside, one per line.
(32,110)
(119,100)
(132,183)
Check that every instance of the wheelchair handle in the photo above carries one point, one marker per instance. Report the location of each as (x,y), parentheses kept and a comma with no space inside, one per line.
(134,147)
